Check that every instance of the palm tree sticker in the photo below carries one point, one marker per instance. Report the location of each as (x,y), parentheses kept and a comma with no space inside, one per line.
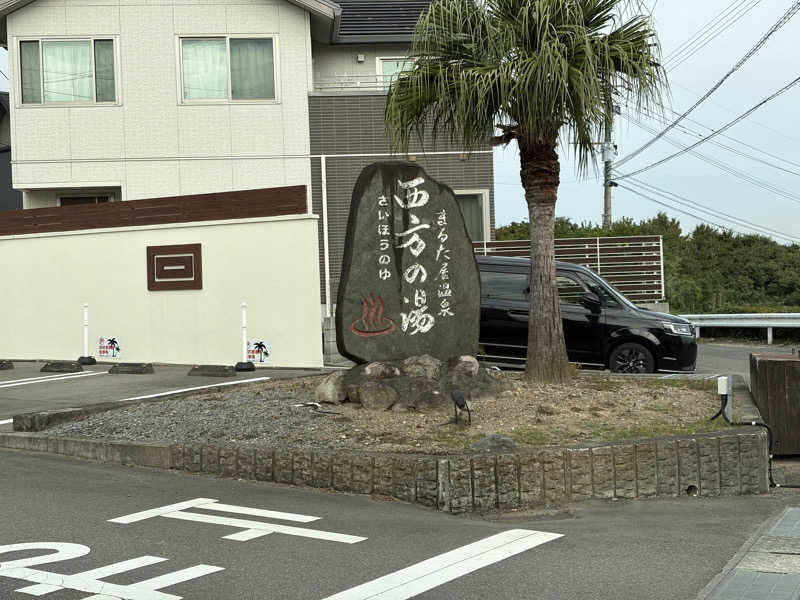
(263,351)
(114,345)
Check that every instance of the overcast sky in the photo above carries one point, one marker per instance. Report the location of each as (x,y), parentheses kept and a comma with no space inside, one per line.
(773,128)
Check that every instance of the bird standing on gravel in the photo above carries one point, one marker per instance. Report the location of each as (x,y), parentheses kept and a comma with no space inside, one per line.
(460,405)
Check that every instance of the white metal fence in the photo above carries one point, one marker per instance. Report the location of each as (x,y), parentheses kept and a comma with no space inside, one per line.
(634,265)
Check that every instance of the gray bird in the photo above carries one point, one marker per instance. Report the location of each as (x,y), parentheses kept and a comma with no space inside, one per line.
(460,405)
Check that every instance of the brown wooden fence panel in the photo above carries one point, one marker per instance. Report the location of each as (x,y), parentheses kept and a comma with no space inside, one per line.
(775,383)
(271,202)
(632,264)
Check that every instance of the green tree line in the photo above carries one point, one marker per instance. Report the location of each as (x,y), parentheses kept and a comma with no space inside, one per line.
(707,270)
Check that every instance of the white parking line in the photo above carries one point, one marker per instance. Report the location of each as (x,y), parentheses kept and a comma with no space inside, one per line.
(6,422)
(431,573)
(41,377)
(53,379)
(200,387)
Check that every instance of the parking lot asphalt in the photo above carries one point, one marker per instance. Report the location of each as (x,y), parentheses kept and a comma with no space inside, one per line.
(26,389)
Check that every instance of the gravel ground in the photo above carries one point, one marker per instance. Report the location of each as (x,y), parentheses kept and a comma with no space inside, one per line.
(590,409)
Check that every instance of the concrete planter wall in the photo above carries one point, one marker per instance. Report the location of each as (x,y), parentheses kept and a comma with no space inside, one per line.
(726,463)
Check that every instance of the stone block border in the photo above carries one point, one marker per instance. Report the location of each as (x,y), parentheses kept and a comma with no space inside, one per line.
(714,464)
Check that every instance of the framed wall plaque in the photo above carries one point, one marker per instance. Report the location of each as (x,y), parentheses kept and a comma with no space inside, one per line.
(178,267)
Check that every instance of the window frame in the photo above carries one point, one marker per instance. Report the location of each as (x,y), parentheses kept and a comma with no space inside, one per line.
(17,62)
(379,68)
(88,194)
(487,217)
(227,37)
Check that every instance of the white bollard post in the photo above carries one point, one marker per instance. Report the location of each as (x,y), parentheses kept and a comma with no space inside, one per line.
(85,329)
(85,359)
(244,332)
(769,336)
(244,365)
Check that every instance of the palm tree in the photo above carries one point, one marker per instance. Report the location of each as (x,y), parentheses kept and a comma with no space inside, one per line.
(261,348)
(538,72)
(112,342)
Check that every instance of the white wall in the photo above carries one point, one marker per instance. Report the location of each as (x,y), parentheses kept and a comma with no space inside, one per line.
(151,144)
(269,263)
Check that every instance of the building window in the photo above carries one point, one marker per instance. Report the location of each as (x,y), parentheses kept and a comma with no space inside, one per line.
(77,71)
(78,200)
(473,207)
(389,67)
(228,68)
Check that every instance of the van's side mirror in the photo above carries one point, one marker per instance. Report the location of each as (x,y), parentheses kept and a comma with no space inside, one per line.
(591,301)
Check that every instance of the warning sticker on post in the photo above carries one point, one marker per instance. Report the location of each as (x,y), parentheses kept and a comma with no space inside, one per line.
(258,351)
(109,347)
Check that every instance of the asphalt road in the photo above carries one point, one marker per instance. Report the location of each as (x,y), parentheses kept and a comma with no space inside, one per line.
(26,389)
(724,358)
(665,549)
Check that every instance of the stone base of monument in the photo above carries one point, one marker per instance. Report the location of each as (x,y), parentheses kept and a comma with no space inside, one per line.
(419,383)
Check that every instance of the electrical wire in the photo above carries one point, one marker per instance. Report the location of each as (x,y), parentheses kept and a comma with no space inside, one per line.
(704,28)
(744,176)
(716,213)
(673,208)
(685,129)
(778,25)
(711,36)
(724,128)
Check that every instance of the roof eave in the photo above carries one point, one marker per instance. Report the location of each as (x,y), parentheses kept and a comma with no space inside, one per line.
(374,39)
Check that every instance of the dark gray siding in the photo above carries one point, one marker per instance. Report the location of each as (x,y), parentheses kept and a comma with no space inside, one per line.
(10,199)
(353,124)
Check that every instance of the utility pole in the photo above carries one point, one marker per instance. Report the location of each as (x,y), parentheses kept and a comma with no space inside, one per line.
(609,153)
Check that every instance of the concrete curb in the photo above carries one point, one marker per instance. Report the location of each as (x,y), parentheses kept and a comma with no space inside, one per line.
(726,463)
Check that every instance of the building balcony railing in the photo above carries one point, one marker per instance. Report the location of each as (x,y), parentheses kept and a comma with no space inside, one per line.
(353,83)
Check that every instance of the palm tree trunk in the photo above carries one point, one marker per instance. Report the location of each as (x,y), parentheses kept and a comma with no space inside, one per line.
(547,354)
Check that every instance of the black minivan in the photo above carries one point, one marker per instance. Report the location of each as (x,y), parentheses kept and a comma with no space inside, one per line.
(601,326)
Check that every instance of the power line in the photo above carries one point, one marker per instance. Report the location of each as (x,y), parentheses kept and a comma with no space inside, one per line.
(679,48)
(752,179)
(711,36)
(724,128)
(780,23)
(757,229)
(736,151)
(731,138)
(733,112)
(669,206)
(716,213)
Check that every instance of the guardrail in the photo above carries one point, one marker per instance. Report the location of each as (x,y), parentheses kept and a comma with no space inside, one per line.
(634,265)
(760,320)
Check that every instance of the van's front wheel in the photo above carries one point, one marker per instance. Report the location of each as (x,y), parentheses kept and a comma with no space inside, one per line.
(631,358)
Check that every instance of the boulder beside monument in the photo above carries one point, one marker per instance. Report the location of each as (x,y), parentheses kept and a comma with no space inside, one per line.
(409,284)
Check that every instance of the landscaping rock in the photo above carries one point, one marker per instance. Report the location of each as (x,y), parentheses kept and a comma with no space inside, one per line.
(422,366)
(331,390)
(465,365)
(409,283)
(495,443)
(373,395)
(381,369)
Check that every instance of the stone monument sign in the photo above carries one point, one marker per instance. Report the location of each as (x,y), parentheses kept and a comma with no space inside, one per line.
(410,283)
